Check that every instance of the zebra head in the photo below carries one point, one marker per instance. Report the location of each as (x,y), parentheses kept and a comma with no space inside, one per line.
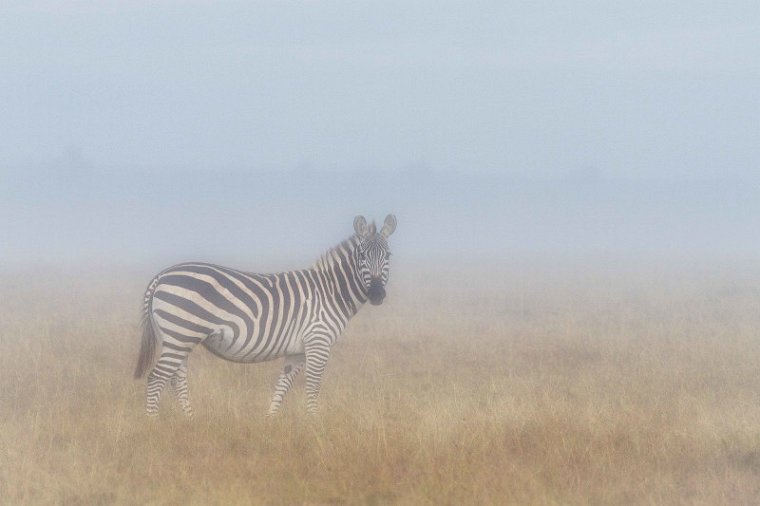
(373,256)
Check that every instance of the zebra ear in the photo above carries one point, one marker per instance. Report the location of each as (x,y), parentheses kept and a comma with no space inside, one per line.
(360,226)
(389,226)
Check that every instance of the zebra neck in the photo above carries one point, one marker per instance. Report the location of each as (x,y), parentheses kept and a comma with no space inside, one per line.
(339,267)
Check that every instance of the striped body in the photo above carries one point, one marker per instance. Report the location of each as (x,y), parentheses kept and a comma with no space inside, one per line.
(247,317)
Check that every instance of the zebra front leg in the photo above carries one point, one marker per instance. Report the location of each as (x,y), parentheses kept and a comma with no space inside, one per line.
(317,353)
(179,384)
(291,368)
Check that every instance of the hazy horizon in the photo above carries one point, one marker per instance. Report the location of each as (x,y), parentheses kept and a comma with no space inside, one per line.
(255,218)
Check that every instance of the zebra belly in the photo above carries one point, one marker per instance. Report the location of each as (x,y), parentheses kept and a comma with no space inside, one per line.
(221,344)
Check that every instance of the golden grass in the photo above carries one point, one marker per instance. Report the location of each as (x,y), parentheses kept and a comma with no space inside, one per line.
(532,386)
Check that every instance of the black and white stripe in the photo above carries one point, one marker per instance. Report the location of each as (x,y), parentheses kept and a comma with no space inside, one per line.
(247,317)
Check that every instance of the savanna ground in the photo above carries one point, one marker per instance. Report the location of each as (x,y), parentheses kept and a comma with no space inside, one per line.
(532,385)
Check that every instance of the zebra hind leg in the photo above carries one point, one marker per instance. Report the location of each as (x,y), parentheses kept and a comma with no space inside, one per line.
(166,368)
(179,385)
(292,366)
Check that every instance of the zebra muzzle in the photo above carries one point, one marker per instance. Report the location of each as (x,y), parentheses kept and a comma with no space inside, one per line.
(376,292)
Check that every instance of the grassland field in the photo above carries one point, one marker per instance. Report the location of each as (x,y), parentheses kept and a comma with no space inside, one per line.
(519,384)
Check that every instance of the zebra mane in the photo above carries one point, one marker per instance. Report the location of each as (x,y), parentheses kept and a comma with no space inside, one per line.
(330,258)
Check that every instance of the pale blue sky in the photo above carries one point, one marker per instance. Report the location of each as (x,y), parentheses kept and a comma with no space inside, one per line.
(239,131)
(626,88)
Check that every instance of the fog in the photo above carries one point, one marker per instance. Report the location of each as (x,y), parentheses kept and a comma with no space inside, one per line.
(252,132)
(256,218)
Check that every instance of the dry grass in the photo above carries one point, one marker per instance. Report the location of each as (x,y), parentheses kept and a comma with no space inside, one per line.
(536,386)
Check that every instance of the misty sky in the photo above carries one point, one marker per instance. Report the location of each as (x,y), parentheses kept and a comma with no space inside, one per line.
(622,88)
(218,131)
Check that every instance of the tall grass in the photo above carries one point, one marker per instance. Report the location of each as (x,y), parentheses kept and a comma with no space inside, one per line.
(528,386)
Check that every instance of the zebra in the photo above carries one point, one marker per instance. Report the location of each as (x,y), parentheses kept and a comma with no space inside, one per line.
(247,317)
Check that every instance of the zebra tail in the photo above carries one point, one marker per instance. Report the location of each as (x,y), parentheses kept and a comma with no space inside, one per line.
(148,344)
